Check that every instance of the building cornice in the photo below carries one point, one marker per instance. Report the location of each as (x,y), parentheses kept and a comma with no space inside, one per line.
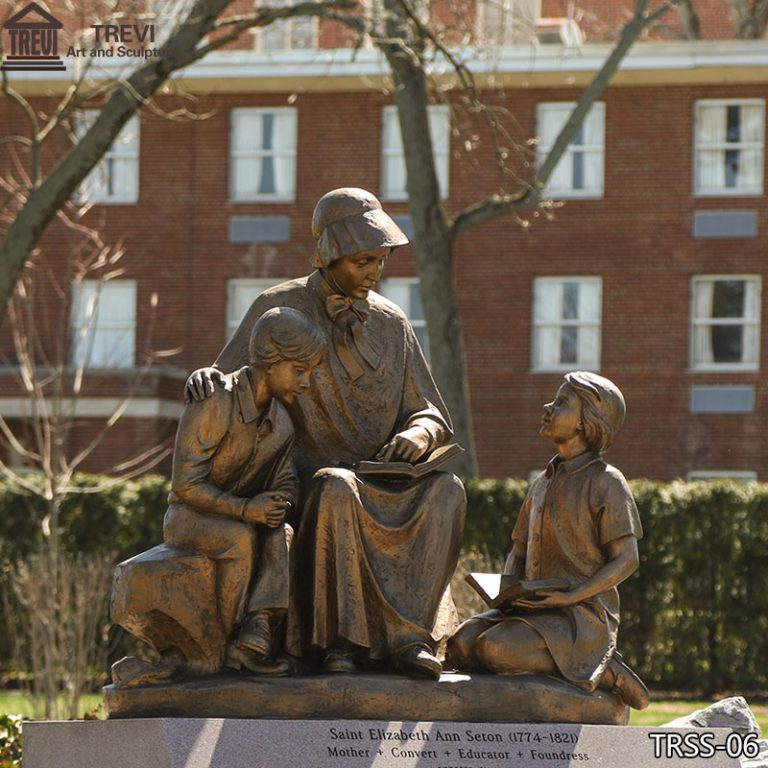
(542,66)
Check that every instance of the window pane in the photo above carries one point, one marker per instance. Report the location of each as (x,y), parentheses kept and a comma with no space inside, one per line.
(752,123)
(570,301)
(568,344)
(423,339)
(566,323)
(589,300)
(580,170)
(103,320)
(728,298)
(247,177)
(750,169)
(711,124)
(393,173)
(548,299)
(247,130)
(283,130)
(273,36)
(731,167)
(416,309)
(404,292)
(546,346)
(733,124)
(303,33)
(724,158)
(116,177)
(240,295)
(263,162)
(727,346)
(726,315)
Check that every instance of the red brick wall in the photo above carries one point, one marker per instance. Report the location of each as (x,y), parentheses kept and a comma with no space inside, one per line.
(638,237)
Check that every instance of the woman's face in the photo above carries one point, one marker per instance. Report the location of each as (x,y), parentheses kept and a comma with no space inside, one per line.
(561,418)
(357,275)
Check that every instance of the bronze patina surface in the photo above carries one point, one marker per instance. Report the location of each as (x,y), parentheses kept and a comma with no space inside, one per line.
(372,558)
(578,524)
(212,594)
(455,697)
(272,434)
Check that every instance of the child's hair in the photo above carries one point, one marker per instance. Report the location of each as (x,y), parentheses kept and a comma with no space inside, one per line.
(283,333)
(602,408)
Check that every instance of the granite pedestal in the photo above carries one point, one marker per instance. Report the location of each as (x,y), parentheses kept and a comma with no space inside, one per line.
(219,743)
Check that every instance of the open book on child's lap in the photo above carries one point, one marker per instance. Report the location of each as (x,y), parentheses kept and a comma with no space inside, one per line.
(498,590)
(434,461)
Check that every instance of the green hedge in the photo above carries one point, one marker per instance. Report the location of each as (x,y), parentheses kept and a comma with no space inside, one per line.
(694,616)
(124,518)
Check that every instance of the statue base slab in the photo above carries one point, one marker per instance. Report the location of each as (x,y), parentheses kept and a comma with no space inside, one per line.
(229,743)
(457,697)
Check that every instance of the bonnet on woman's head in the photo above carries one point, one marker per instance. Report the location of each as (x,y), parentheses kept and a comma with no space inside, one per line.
(603,407)
(349,220)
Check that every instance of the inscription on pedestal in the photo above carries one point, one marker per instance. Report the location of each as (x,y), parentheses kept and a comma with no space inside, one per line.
(212,743)
(446,745)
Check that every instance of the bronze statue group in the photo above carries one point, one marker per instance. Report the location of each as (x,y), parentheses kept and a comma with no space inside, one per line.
(316,568)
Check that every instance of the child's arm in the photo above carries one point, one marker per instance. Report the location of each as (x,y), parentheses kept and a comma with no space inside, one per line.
(285,482)
(623,560)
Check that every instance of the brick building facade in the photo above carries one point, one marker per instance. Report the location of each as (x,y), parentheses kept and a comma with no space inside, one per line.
(650,272)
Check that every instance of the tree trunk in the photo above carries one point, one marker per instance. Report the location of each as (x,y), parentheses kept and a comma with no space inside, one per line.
(689,21)
(433,241)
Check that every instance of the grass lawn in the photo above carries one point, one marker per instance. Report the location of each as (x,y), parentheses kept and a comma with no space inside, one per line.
(15,703)
(659,712)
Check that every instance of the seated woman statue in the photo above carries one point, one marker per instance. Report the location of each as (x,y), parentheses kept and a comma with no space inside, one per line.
(578,524)
(373,560)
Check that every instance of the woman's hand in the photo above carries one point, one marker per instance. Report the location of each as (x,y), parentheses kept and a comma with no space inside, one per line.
(408,445)
(202,383)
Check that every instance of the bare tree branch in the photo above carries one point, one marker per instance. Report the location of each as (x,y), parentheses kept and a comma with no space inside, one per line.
(503,205)
(126,98)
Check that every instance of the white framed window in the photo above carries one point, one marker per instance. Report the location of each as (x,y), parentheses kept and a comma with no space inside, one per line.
(739,475)
(263,154)
(728,146)
(103,322)
(241,293)
(566,323)
(580,171)
(725,322)
(115,179)
(404,291)
(393,178)
(295,33)
(507,22)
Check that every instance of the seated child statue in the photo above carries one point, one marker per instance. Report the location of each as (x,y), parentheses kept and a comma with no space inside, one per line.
(233,483)
(578,524)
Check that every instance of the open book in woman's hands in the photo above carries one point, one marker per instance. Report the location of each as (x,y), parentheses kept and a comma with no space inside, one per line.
(500,591)
(432,462)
